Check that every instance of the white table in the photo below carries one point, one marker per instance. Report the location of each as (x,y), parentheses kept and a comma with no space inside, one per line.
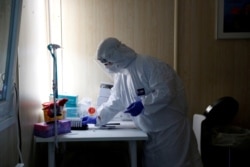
(126,131)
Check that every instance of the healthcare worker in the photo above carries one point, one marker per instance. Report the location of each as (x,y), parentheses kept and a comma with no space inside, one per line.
(152,92)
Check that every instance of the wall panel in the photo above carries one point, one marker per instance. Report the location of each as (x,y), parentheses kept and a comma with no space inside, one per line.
(146,26)
(211,68)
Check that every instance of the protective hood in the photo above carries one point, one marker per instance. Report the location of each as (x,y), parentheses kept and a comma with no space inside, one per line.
(112,50)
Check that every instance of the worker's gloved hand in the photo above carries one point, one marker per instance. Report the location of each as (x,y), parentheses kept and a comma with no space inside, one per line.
(88,120)
(135,108)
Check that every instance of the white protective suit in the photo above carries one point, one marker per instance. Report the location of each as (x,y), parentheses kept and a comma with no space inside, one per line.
(171,140)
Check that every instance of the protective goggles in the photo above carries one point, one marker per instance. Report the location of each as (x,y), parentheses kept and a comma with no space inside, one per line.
(102,60)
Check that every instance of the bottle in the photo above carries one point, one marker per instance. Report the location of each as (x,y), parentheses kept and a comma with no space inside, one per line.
(91,111)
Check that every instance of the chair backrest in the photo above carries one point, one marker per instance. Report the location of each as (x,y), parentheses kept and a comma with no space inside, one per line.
(197,120)
(222,111)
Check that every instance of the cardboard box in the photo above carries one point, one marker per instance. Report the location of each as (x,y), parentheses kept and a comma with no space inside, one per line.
(72,99)
(71,112)
(44,129)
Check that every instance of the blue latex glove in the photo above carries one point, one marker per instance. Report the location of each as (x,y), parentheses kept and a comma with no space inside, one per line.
(135,108)
(88,120)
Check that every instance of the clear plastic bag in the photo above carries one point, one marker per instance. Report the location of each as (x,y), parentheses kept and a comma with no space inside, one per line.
(83,105)
(231,136)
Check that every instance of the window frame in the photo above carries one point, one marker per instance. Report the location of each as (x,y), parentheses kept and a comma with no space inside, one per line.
(9,104)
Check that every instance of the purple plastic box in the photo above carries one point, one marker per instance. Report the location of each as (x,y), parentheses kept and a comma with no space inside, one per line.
(45,130)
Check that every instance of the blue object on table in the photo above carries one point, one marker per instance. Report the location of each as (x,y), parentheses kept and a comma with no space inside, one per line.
(88,120)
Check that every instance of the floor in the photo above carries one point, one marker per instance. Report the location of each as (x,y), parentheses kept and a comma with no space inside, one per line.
(90,154)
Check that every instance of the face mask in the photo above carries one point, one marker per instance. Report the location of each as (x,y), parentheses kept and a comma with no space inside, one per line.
(112,68)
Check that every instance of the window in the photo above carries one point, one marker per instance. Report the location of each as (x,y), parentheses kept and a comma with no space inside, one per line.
(10,16)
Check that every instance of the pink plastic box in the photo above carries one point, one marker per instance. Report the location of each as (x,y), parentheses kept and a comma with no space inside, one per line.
(44,129)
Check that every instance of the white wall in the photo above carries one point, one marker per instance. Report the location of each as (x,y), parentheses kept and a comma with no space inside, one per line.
(146,26)
(34,70)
